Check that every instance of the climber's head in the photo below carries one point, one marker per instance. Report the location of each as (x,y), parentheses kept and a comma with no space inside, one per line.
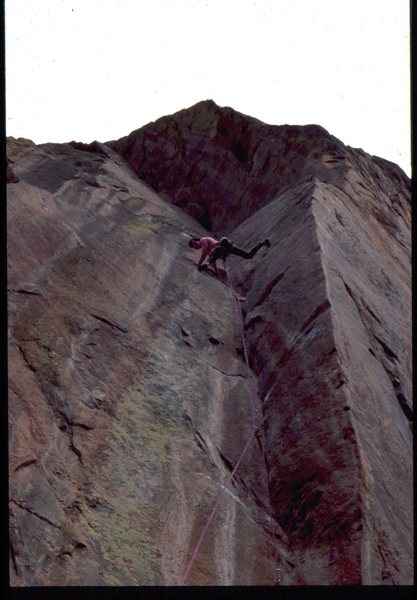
(225,242)
(195,243)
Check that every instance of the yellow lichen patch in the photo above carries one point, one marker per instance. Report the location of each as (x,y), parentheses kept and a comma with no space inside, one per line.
(134,462)
(36,348)
(139,222)
(134,201)
(141,427)
(41,360)
(131,552)
(39,331)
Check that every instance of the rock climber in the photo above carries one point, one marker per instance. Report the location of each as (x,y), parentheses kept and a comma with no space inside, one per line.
(220,249)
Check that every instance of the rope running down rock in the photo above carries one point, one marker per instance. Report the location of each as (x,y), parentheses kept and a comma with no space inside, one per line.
(255,430)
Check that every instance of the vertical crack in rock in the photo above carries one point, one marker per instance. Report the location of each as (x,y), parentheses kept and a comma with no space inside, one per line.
(386,349)
(229,466)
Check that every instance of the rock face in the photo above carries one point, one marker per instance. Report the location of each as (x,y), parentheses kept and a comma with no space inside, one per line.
(128,401)
(330,349)
(221,166)
(129,398)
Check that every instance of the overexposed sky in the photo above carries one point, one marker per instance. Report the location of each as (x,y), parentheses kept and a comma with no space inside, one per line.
(98,69)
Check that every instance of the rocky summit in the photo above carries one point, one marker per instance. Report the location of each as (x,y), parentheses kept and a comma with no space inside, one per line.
(162,431)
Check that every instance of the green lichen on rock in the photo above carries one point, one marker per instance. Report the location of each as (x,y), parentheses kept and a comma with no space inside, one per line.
(134,201)
(40,332)
(128,550)
(129,531)
(41,360)
(137,224)
(36,349)
(144,424)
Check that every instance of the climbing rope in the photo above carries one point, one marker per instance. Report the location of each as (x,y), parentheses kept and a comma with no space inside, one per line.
(255,430)
(257,418)
(213,512)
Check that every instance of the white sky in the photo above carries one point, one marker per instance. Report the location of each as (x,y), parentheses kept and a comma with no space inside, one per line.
(99,69)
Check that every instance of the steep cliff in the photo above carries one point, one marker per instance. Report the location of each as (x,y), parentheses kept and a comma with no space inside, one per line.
(129,400)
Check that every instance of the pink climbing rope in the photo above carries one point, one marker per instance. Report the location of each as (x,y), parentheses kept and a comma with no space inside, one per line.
(213,512)
(258,422)
(255,414)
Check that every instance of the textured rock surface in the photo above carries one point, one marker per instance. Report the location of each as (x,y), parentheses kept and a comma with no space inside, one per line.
(221,166)
(328,325)
(129,401)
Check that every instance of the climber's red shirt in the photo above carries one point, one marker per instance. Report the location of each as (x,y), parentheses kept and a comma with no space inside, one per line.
(207,245)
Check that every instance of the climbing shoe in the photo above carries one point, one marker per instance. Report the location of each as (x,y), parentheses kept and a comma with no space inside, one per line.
(202,267)
(266,243)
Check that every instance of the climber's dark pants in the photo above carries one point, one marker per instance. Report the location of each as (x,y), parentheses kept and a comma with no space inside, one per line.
(223,252)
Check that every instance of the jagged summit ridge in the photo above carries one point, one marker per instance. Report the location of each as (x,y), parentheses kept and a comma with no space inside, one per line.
(207,110)
(220,165)
(206,158)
